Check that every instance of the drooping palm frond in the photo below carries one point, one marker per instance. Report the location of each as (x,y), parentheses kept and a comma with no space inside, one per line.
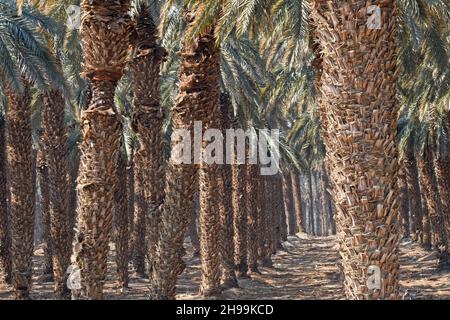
(23,47)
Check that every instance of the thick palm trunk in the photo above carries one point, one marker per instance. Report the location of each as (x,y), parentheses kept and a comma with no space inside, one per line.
(148,121)
(198,76)
(5,235)
(104,32)
(120,222)
(226,213)
(210,177)
(42,178)
(433,201)
(442,171)
(22,203)
(54,141)
(297,197)
(412,181)
(252,218)
(360,111)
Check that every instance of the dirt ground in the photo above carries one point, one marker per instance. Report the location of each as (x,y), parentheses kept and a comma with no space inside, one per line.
(306,269)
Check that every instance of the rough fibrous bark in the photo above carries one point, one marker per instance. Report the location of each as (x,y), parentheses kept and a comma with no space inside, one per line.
(197,79)
(240,220)
(277,209)
(54,143)
(252,218)
(120,222)
(226,244)
(139,244)
(148,122)
(297,197)
(266,219)
(289,204)
(358,88)
(5,236)
(104,35)
(210,179)
(433,201)
(22,201)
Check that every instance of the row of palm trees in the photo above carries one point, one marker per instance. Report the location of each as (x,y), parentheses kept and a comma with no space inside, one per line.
(313,69)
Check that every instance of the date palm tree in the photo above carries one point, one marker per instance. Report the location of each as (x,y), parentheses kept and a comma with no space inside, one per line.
(26,61)
(104,33)
(148,121)
(359,99)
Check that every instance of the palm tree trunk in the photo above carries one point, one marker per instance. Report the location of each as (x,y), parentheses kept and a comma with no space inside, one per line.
(42,177)
(442,171)
(5,236)
(310,221)
(197,82)
(210,178)
(209,219)
(412,181)
(297,196)
(277,204)
(425,234)
(120,222)
(240,220)
(141,208)
(226,213)
(283,214)
(72,201)
(22,205)
(328,200)
(193,234)
(326,224)
(318,225)
(54,140)
(148,122)
(433,200)
(360,111)
(265,195)
(105,50)
(131,203)
(252,219)
(289,204)
(404,202)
